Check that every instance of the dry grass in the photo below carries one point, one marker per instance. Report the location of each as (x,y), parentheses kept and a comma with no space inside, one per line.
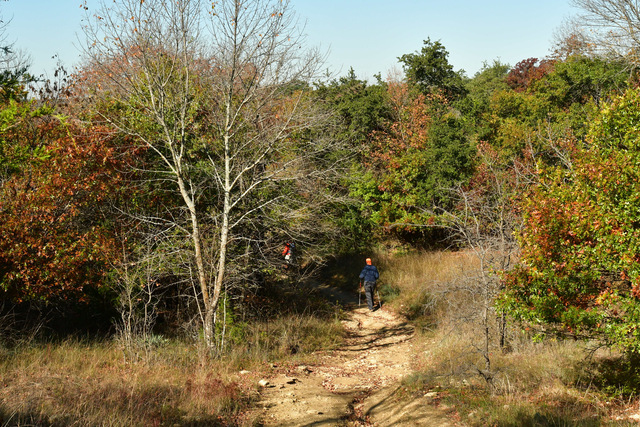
(547,383)
(540,384)
(75,383)
(292,338)
(91,384)
(410,283)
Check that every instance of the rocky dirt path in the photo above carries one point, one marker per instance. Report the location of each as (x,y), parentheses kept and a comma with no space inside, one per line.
(356,384)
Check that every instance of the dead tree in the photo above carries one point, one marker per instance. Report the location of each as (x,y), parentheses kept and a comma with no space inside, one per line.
(613,27)
(483,223)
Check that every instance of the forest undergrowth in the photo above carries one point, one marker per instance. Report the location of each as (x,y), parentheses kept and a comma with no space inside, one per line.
(536,378)
(158,380)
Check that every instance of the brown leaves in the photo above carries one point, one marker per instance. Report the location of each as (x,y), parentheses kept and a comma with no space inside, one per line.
(54,236)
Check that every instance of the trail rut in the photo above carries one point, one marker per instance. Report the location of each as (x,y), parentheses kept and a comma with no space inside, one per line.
(354,385)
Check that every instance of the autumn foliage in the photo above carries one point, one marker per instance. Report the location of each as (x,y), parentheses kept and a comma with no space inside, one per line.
(415,159)
(526,72)
(580,267)
(55,232)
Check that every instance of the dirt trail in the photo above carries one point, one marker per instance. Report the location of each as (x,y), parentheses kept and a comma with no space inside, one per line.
(354,385)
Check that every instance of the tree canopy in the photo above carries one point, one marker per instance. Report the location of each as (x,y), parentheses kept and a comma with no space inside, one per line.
(580,262)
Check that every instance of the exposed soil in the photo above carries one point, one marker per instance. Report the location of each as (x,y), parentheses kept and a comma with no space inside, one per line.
(357,384)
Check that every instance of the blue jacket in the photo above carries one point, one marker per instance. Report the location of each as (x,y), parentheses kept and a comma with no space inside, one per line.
(369,273)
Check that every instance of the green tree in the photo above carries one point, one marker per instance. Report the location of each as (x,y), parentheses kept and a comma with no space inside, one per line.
(580,264)
(545,102)
(429,70)
(414,161)
(16,111)
(362,107)
(482,88)
(489,80)
(576,88)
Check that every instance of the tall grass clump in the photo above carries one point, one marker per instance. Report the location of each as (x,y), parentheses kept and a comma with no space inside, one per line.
(410,283)
(288,338)
(91,383)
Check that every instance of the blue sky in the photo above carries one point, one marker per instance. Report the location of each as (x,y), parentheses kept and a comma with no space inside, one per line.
(368,35)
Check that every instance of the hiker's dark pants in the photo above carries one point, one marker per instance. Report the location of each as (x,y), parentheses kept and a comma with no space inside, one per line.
(369,289)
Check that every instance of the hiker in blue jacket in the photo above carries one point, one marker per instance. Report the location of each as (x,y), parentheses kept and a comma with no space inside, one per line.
(369,274)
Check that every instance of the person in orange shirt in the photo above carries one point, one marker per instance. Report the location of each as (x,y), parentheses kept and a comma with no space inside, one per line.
(288,252)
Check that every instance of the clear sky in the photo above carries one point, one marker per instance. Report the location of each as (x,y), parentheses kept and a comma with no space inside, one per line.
(368,35)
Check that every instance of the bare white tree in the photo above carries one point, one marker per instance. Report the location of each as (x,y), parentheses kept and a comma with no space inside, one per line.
(218,92)
(484,223)
(613,26)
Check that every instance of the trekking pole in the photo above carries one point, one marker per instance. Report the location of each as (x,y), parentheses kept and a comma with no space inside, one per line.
(359,293)
(379,300)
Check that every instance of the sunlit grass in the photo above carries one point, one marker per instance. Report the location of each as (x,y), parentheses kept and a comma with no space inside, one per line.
(89,383)
(545,383)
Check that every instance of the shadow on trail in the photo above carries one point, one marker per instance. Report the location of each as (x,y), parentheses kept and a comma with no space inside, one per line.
(388,409)
(375,340)
(332,422)
(335,295)
(382,402)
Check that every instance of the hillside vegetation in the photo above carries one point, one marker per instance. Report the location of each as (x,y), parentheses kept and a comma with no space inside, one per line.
(186,205)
